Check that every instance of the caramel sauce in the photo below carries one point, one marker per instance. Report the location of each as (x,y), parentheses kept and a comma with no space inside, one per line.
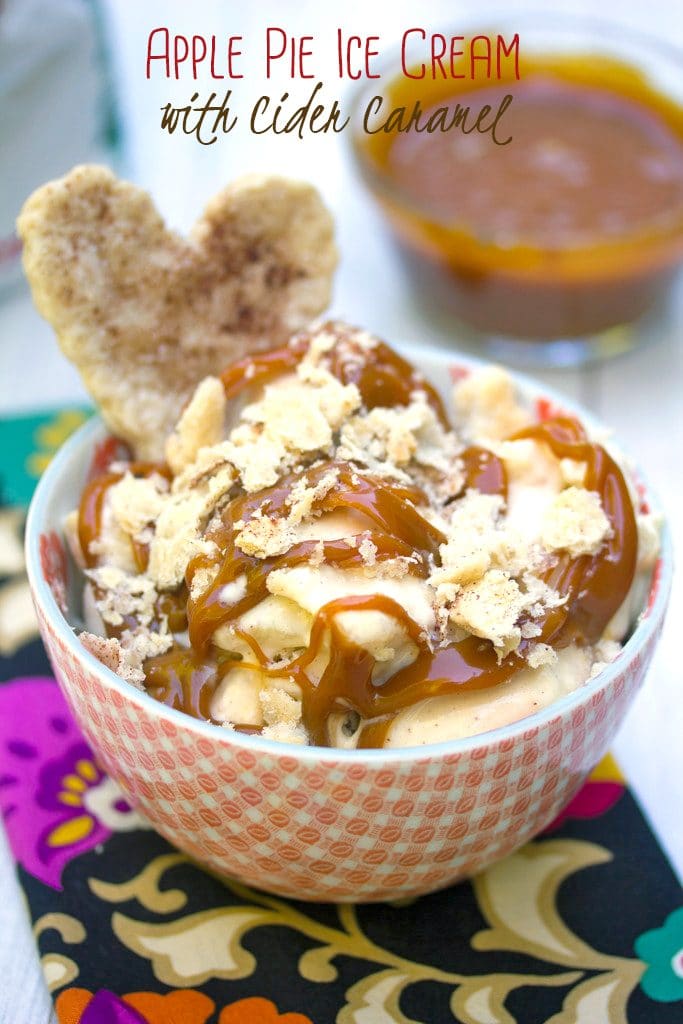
(484,471)
(254,371)
(90,514)
(402,532)
(560,182)
(170,608)
(91,509)
(381,375)
(546,236)
(383,378)
(186,678)
(596,585)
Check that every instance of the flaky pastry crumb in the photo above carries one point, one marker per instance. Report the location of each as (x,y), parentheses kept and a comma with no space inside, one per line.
(575,522)
(487,404)
(200,425)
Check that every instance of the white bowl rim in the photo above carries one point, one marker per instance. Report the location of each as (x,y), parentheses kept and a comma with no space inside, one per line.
(642,634)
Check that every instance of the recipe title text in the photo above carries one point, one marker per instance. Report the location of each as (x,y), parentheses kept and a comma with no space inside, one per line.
(422,56)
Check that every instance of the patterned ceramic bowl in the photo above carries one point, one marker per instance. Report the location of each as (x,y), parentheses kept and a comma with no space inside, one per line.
(324,824)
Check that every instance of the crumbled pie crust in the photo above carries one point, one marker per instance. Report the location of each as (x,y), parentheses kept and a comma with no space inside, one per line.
(200,425)
(575,522)
(487,401)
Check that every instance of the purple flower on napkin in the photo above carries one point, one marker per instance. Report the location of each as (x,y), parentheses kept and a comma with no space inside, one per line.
(106,1008)
(56,801)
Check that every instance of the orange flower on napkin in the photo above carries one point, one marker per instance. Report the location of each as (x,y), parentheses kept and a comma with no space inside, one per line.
(186,1006)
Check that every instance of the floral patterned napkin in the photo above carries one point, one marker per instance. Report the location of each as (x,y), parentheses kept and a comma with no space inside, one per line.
(582,926)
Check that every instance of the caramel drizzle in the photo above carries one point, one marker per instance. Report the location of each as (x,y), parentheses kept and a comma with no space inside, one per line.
(595,586)
(90,514)
(91,510)
(402,532)
(484,471)
(169,607)
(381,375)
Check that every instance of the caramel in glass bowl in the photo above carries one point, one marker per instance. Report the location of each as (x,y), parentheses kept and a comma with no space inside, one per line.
(551,223)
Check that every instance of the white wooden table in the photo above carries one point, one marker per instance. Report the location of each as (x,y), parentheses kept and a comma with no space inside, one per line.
(639,394)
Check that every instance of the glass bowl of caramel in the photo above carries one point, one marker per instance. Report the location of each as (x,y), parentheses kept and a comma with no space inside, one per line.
(532,173)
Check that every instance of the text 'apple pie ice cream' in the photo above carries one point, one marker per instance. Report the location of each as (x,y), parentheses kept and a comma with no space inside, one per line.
(323,557)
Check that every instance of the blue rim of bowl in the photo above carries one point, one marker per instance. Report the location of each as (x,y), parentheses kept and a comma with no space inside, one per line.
(642,633)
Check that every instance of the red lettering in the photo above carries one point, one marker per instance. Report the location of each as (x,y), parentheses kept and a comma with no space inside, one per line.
(505,51)
(233,54)
(482,57)
(437,54)
(271,54)
(165,56)
(198,54)
(178,56)
(370,53)
(407,68)
(455,52)
(304,53)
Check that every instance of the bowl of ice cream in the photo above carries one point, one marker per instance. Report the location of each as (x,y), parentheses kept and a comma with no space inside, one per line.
(344,622)
(411,613)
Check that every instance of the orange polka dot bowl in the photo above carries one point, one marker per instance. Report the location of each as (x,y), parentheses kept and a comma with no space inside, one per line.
(317,823)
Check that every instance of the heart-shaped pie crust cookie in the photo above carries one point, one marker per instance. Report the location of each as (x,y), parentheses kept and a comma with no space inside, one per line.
(145,314)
